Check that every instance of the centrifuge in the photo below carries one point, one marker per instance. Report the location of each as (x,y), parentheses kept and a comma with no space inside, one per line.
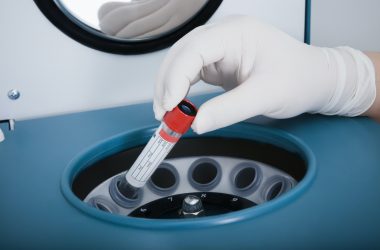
(310,181)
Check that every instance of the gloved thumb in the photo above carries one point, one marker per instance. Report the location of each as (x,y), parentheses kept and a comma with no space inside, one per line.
(1,135)
(246,100)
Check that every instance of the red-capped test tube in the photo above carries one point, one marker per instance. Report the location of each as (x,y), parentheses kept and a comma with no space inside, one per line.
(174,124)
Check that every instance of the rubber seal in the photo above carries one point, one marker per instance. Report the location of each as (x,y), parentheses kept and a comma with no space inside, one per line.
(277,184)
(163,191)
(103,204)
(237,174)
(119,198)
(205,163)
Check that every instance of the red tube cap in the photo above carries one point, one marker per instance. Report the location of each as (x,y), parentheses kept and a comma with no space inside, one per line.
(181,117)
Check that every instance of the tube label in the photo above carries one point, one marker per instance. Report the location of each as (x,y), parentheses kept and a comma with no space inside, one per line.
(150,158)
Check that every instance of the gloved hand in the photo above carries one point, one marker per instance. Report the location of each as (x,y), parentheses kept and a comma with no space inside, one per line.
(145,18)
(265,72)
(1,135)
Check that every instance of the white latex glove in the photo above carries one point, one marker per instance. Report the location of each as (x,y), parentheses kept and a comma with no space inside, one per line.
(145,18)
(1,135)
(265,71)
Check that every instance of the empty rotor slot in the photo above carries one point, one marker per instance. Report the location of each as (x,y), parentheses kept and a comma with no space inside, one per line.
(246,177)
(204,174)
(102,204)
(275,187)
(164,180)
(121,199)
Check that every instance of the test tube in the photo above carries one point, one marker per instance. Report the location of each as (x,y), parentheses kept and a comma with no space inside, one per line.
(174,124)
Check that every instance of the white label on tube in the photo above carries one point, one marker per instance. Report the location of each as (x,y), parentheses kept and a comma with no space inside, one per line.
(153,154)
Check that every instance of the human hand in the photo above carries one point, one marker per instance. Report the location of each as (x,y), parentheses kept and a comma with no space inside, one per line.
(265,72)
(145,18)
(1,135)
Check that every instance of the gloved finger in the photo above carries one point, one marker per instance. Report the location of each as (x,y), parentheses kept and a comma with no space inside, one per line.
(145,24)
(159,111)
(168,25)
(1,135)
(108,7)
(176,13)
(246,100)
(114,17)
(182,67)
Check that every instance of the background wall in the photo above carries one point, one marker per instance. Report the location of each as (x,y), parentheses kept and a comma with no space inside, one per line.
(57,75)
(346,22)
